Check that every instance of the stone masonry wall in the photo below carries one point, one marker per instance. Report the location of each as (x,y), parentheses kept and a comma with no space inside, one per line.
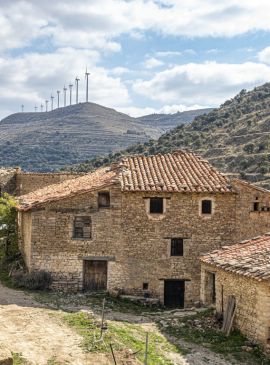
(7,180)
(252,301)
(27,182)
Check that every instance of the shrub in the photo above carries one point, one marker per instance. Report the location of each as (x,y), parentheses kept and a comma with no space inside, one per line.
(36,280)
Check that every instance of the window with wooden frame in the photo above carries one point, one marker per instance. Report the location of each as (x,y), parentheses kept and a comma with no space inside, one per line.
(82,227)
(156,206)
(103,199)
(177,247)
(206,206)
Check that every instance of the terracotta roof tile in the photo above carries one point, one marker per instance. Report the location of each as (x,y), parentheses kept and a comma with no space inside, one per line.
(177,172)
(180,171)
(96,180)
(249,258)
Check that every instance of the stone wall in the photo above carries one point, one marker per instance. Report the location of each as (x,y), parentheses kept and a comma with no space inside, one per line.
(252,315)
(7,180)
(27,182)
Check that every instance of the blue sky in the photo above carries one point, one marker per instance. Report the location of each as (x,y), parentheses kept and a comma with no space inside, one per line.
(144,56)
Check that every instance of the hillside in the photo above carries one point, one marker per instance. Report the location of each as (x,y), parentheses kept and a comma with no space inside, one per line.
(169,121)
(234,137)
(49,141)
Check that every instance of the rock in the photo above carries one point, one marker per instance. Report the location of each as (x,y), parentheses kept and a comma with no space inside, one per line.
(6,357)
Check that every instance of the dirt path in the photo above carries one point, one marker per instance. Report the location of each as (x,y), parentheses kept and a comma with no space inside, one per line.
(38,333)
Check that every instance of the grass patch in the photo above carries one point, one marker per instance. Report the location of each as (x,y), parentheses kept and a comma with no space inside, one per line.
(193,329)
(124,336)
(18,359)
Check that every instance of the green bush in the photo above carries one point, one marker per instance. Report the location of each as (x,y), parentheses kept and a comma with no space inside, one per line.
(36,280)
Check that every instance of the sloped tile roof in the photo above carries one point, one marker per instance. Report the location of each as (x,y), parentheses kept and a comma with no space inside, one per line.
(179,171)
(96,180)
(174,172)
(249,258)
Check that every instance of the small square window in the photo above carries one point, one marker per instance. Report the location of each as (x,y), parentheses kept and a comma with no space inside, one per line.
(177,247)
(206,206)
(103,199)
(82,227)
(156,205)
(145,286)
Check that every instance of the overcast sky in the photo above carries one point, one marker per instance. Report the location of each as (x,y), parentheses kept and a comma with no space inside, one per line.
(144,56)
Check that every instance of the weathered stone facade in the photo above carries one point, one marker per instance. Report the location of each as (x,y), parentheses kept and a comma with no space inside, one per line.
(252,301)
(136,244)
(8,180)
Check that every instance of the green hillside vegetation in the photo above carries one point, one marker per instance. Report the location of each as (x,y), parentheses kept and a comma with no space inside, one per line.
(234,137)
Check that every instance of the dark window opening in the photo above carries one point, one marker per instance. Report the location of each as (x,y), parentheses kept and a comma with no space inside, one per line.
(177,247)
(104,199)
(145,286)
(82,227)
(206,206)
(256,206)
(156,205)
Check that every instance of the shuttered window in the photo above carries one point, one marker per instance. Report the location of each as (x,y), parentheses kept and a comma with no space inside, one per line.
(82,227)
(177,247)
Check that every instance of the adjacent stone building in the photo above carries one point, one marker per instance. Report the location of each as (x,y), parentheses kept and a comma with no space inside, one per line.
(139,226)
(242,271)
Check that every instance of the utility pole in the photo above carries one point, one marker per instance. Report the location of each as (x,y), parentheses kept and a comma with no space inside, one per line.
(22,106)
(77,89)
(52,97)
(65,95)
(58,102)
(41,108)
(46,102)
(70,93)
(86,76)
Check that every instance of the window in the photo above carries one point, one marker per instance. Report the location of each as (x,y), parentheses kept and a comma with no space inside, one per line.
(156,205)
(104,199)
(256,206)
(145,286)
(177,247)
(82,227)
(206,206)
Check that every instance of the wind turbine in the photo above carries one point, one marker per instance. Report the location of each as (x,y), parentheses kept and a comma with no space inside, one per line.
(58,92)
(41,107)
(35,108)
(77,89)
(22,106)
(86,76)
(52,97)
(46,102)
(65,95)
(70,93)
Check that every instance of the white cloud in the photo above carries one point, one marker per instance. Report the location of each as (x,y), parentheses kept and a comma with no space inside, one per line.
(205,84)
(264,55)
(153,62)
(168,53)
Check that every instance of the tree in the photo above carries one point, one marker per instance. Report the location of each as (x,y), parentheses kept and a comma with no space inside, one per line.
(8,227)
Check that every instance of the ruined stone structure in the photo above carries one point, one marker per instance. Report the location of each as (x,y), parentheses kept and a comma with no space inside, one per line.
(16,182)
(242,271)
(140,226)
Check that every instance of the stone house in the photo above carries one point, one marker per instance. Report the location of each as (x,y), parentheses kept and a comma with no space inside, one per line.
(139,226)
(243,271)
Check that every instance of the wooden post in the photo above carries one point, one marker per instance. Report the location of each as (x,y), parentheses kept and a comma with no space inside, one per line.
(114,360)
(146,349)
(102,317)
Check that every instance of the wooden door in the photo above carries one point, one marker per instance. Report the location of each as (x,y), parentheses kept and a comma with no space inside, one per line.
(95,275)
(174,293)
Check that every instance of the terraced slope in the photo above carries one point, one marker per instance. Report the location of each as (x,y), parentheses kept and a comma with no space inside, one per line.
(49,141)
(234,137)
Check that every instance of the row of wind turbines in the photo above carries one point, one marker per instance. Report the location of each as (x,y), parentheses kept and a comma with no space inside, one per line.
(70,86)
